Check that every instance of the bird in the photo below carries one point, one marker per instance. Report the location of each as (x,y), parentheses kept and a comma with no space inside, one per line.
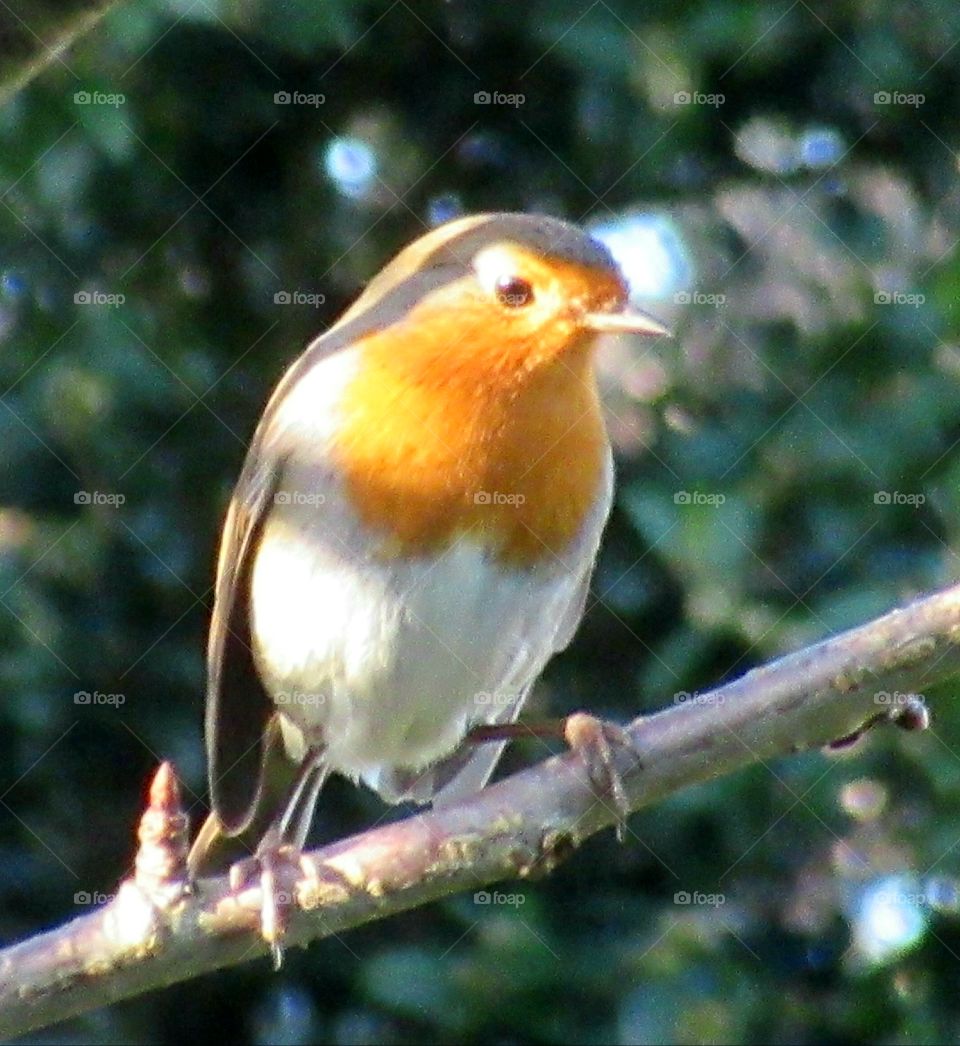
(414,529)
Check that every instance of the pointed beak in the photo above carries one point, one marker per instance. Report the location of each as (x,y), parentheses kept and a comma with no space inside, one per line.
(631,321)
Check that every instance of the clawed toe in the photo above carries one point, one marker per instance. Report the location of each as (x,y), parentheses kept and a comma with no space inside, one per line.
(597,742)
(276,868)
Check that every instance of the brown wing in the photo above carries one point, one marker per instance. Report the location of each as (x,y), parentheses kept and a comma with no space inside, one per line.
(238,706)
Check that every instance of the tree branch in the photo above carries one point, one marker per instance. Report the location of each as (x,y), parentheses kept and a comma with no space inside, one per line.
(158,931)
(37,33)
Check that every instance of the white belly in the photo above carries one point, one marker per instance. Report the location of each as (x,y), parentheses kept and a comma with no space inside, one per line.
(389,664)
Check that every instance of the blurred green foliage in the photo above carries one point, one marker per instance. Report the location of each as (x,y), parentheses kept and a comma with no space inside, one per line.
(787,468)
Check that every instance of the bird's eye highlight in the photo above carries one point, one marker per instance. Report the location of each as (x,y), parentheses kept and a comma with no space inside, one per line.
(513,291)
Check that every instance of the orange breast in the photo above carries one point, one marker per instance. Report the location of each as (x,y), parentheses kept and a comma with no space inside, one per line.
(436,445)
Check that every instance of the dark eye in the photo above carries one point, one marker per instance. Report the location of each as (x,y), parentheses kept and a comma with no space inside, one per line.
(513,292)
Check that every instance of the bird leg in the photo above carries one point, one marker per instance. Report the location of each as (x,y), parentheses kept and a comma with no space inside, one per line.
(277,863)
(595,740)
(908,711)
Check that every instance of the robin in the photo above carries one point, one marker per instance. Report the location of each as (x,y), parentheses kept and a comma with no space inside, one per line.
(414,529)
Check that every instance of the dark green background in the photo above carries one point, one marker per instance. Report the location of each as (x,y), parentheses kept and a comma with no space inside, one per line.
(799,400)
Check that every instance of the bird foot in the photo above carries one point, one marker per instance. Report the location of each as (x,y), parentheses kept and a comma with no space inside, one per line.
(276,868)
(597,742)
